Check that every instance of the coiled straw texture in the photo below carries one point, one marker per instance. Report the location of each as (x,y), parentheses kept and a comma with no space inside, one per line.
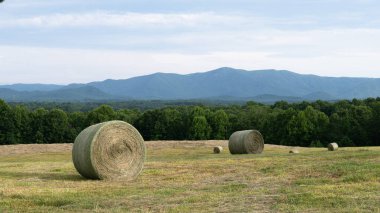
(109,150)
(246,142)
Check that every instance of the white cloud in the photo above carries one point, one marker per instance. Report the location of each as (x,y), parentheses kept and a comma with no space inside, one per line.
(128,19)
(44,65)
(198,42)
(191,20)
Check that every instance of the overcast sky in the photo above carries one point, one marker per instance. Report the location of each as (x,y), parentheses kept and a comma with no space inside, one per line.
(67,41)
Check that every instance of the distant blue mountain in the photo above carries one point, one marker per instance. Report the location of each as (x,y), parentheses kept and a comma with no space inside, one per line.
(32,87)
(84,93)
(220,84)
(236,83)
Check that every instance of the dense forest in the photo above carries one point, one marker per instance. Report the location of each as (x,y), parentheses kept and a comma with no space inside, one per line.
(349,123)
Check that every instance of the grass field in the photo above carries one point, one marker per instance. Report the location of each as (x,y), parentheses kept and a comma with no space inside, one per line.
(187,177)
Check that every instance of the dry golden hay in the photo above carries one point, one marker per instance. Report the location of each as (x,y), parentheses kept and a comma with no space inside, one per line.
(218,149)
(246,142)
(332,146)
(294,151)
(109,150)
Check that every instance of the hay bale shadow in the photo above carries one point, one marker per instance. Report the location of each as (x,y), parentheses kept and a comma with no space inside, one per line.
(42,176)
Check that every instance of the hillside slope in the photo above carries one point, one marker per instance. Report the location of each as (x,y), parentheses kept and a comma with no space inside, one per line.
(220,84)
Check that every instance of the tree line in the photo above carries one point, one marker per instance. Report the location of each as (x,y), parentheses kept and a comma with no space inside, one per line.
(315,124)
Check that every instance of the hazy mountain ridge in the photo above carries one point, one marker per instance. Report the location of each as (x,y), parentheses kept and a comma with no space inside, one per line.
(32,87)
(223,83)
(84,93)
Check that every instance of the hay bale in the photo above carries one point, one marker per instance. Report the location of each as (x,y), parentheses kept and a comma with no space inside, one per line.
(218,149)
(332,146)
(294,151)
(246,142)
(109,150)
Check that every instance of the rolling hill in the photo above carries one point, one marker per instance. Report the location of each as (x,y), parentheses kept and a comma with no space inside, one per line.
(220,84)
(84,93)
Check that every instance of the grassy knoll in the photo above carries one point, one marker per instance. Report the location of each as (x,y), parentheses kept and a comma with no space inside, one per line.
(185,178)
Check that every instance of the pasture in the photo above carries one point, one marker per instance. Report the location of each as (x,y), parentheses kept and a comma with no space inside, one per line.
(185,176)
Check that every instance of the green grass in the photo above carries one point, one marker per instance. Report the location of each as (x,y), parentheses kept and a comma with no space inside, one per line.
(192,179)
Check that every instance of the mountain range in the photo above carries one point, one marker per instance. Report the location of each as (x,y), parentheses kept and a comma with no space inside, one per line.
(220,84)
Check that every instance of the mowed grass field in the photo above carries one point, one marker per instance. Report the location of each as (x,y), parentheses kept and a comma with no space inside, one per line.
(188,177)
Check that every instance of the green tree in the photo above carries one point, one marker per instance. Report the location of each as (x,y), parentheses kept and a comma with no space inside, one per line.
(257,116)
(275,129)
(146,124)
(39,137)
(200,129)
(198,111)
(22,124)
(77,122)
(100,114)
(316,143)
(129,116)
(38,125)
(374,130)
(7,124)
(281,105)
(362,116)
(57,127)
(350,124)
(168,125)
(219,124)
(307,126)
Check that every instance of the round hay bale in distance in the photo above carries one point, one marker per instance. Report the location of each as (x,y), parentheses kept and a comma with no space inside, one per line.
(109,150)
(246,142)
(218,149)
(332,146)
(294,151)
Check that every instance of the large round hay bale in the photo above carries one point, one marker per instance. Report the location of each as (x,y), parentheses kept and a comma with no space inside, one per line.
(218,149)
(246,142)
(109,150)
(332,146)
(294,151)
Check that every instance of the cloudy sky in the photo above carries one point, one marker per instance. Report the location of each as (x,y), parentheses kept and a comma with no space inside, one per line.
(56,41)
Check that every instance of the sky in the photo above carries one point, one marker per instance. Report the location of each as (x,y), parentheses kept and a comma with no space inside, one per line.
(71,41)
